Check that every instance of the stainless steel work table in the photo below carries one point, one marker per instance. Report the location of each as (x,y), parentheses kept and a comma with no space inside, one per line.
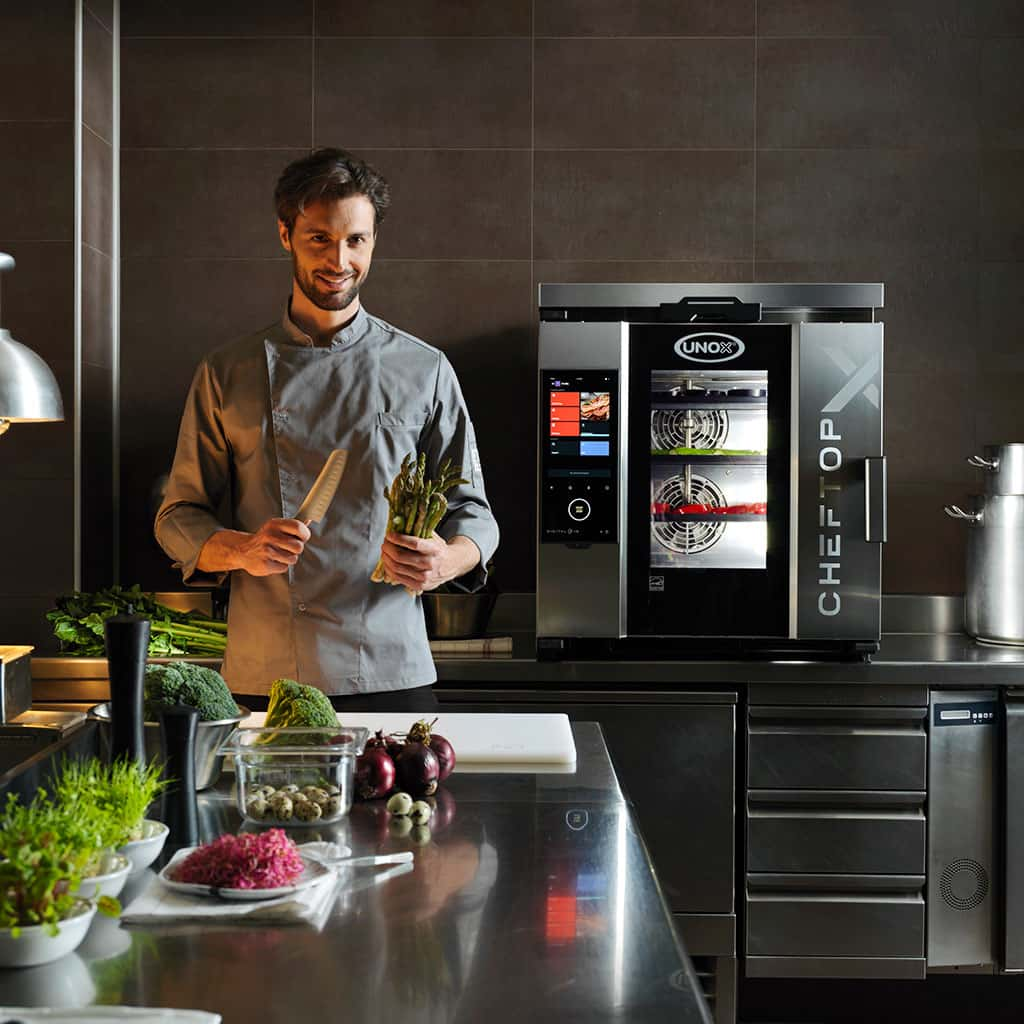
(537,902)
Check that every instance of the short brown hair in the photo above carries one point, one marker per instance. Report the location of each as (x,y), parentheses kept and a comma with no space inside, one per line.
(328,174)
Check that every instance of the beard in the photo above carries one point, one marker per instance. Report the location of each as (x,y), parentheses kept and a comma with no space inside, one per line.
(322,297)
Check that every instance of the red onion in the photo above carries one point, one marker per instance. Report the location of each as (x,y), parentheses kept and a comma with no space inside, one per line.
(417,769)
(443,750)
(375,771)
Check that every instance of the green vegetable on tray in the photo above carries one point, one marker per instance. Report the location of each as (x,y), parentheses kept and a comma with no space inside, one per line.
(78,624)
(184,683)
(707,451)
(417,505)
(293,705)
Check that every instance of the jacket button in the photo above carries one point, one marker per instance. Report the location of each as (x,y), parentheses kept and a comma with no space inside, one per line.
(302,607)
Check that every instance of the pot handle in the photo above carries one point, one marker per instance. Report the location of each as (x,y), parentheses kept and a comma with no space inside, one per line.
(956,512)
(982,463)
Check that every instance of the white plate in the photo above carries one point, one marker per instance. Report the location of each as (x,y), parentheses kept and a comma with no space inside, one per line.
(312,873)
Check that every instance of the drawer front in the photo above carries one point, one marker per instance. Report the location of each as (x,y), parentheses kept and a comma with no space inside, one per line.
(835,925)
(836,833)
(837,748)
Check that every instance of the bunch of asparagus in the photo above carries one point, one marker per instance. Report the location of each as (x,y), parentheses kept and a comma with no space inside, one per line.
(417,505)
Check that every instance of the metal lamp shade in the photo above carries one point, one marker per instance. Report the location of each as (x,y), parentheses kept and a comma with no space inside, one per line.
(28,388)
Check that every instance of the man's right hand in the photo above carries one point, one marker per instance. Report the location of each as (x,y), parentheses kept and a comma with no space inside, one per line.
(272,549)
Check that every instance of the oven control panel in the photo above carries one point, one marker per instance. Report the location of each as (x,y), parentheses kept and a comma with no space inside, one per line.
(579,456)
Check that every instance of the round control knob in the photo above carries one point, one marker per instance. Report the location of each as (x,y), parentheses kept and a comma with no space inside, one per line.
(579,509)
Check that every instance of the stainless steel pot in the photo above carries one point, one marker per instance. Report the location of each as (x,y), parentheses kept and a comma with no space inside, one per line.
(1004,468)
(994,601)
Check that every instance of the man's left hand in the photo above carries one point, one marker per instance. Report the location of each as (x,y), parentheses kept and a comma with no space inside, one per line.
(424,563)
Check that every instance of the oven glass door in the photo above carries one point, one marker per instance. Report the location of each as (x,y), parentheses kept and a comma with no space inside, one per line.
(708,507)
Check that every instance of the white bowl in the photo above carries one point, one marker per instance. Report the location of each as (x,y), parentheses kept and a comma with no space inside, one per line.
(34,945)
(142,852)
(110,881)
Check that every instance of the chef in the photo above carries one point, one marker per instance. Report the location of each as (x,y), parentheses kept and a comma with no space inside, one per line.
(261,417)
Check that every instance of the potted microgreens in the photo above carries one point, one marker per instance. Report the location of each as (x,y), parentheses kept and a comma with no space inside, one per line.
(117,795)
(44,848)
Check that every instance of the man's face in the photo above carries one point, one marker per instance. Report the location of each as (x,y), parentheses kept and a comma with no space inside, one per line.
(331,245)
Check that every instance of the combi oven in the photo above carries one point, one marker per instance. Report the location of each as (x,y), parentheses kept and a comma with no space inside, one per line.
(710,469)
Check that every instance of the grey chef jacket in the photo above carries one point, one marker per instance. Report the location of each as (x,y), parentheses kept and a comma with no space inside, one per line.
(261,417)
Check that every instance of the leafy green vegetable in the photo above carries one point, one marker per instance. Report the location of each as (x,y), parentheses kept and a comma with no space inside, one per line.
(184,683)
(417,505)
(78,624)
(44,850)
(111,798)
(295,706)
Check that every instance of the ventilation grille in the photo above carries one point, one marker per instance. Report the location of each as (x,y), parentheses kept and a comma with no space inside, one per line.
(708,428)
(688,538)
(964,884)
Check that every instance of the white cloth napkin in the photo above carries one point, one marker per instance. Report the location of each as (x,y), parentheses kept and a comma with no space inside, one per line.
(108,1015)
(157,904)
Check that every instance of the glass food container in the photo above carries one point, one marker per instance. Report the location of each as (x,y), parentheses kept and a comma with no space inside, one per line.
(291,777)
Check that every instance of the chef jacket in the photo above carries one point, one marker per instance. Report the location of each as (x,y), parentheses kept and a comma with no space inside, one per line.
(262,415)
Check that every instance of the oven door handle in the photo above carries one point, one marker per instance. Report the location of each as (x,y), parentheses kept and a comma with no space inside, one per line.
(876,525)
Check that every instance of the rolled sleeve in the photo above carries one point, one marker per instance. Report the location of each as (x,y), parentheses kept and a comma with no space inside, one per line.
(450,435)
(198,480)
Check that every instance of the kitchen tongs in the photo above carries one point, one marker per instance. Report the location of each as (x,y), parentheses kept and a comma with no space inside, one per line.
(321,494)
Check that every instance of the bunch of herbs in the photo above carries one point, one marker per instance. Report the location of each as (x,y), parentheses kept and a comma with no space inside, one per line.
(79,617)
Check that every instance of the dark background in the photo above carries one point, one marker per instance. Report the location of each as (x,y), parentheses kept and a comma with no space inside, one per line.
(556,140)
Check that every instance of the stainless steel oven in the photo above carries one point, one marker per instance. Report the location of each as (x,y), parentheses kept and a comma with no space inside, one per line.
(710,469)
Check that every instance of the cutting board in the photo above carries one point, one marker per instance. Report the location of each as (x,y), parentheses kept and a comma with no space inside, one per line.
(478,739)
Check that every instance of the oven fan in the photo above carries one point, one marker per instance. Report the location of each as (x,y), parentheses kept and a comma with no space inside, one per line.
(709,428)
(688,538)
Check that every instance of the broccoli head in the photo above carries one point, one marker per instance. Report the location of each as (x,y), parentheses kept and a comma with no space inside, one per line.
(295,706)
(184,683)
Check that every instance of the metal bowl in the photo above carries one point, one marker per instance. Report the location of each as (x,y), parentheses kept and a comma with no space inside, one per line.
(209,738)
(458,616)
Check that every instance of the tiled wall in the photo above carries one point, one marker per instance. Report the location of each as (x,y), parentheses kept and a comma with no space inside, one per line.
(589,140)
(98,263)
(37,226)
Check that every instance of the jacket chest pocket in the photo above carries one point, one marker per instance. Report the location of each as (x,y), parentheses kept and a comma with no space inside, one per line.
(398,435)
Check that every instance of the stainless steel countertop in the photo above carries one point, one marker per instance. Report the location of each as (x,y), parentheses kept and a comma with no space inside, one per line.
(511,913)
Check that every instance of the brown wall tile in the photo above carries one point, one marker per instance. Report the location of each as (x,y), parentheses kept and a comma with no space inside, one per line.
(644,93)
(1001,17)
(41,511)
(866,17)
(460,93)
(423,18)
(641,271)
(23,621)
(651,18)
(858,93)
(200,203)
(97,76)
(1000,414)
(97,193)
(865,205)
(1002,205)
(926,550)
(646,205)
(998,335)
(39,298)
(931,306)
(928,435)
(455,204)
(37,61)
(1002,98)
(223,18)
(216,92)
(37,166)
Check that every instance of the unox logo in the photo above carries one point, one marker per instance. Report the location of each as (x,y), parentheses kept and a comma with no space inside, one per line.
(709,347)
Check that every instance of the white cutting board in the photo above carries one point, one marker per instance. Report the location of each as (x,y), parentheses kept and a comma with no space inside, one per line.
(478,739)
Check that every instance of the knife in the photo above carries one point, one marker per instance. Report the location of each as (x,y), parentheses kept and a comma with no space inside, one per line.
(314,506)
